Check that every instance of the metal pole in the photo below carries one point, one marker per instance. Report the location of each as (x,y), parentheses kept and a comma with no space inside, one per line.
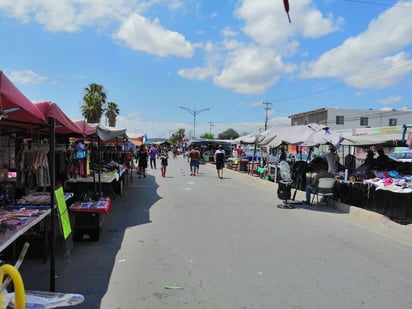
(194,112)
(194,123)
(53,213)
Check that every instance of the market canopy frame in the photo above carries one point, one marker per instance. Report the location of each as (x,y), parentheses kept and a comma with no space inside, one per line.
(17,112)
(64,125)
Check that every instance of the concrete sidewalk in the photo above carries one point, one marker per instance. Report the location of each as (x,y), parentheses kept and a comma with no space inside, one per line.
(368,219)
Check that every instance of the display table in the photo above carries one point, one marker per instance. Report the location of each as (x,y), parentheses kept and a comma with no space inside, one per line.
(356,193)
(88,218)
(394,198)
(391,199)
(108,182)
(252,166)
(8,236)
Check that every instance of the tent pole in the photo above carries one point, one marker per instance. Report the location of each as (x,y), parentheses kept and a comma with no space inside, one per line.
(100,167)
(92,157)
(52,148)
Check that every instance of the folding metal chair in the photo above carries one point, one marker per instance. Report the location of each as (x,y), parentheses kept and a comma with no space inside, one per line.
(325,190)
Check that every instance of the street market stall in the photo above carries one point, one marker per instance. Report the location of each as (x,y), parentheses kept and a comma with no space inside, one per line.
(21,121)
(384,188)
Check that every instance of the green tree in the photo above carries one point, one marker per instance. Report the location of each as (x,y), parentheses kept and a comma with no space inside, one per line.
(207,136)
(228,134)
(111,112)
(177,137)
(94,103)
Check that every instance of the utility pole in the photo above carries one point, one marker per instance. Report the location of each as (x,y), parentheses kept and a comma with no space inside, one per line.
(267,108)
(210,127)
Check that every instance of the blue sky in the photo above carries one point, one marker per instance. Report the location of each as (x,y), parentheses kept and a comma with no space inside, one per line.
(155,56)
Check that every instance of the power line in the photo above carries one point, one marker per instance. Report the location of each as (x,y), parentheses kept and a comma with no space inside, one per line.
(380,3)
(362,77)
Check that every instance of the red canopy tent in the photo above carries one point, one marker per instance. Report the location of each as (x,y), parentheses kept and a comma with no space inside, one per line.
(19,114)
(17,111)
(86,128)
(64,125)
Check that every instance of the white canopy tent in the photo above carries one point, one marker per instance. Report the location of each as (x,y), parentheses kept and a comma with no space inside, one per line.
(367,140)
(258,139)
(303,135)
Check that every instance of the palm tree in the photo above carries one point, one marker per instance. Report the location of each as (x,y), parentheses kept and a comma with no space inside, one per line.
(94,101)
(111,112)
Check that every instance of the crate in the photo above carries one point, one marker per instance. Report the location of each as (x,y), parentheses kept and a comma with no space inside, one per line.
(87,226)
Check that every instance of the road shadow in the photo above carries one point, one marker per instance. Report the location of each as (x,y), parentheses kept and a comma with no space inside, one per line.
(88,269)
(322,207)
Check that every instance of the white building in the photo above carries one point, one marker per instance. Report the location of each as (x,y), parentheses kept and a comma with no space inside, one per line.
(340,119)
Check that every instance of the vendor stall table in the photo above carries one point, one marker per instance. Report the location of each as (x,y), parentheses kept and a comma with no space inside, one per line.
(108,181)
(393,199)
(354,193)
(88,218)
(10,235)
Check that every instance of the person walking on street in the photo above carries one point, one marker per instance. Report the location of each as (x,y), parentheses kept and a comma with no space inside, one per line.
(219,158)
(143,156)
(152,156)
(164,155)
(194,159)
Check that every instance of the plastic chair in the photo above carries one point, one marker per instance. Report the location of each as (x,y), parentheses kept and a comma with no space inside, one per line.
(325,190)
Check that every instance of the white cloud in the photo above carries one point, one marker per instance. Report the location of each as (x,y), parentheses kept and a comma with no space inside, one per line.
(69,15)
(228,32)
(160,129)
(135,31)
(175,4)
(251,70)
(209,47)
(26,77)
(267,23)
(255,68)
(391,100)
(374,58)
(197,73)
(257,104)
(148,36)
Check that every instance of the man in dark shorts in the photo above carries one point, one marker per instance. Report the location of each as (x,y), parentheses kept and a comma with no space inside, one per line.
(194,158)
(219,160)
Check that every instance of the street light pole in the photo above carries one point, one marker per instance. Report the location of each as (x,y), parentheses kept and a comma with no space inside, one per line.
(194,112)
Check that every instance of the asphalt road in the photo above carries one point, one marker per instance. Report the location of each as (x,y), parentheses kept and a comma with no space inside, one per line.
(204,242)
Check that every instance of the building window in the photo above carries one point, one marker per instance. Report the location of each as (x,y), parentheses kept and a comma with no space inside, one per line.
(340,120)
(363,121)
(305,120)
(393,122)
(317,120)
